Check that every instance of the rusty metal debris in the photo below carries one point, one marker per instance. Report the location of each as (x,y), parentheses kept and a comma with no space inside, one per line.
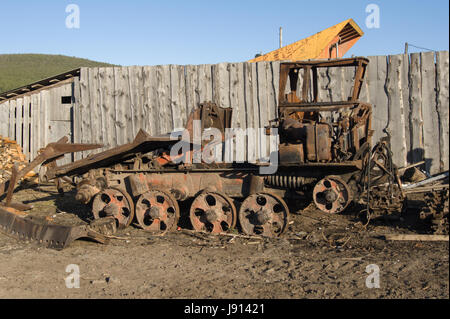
(325,153)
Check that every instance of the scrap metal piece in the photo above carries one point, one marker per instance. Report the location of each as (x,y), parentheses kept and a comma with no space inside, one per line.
(385,200)
(24,227)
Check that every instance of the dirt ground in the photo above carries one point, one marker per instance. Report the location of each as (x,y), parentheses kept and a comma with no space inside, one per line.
(320,256)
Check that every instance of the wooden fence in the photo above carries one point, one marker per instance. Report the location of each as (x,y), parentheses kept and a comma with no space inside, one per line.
(409,94)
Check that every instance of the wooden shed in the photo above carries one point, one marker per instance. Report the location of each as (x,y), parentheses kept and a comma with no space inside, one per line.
(36,114)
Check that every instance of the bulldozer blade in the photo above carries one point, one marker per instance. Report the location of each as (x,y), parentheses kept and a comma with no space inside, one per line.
(26,228)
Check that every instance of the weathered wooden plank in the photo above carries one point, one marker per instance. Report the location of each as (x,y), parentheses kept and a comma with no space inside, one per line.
(85,108)
(271,89)
(272,77)
(237,102)
(429,113)
(404,76)
(77,116)
(221,84)
(181,69)
(276,83)
(238,146)
(205,83)
(263,108)
(381,112)
(396,121)
(19,120)
(222,94)
(136,84)
(102,109)
(12,119)
(416,152)
(95,106)
(192,98)
(249,91)
(108,107)
(35,125)
(26,126)
(442,92)
(122,106)
(163,99)
(4,119)
(45,100)
(254,115)
(150,107)
(177,96)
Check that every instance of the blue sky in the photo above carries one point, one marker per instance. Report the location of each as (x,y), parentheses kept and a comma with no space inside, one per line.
(142,32)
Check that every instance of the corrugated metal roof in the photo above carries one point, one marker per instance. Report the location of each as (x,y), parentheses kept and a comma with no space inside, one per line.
(317,45)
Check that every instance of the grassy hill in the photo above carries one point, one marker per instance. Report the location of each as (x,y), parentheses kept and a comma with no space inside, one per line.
(17,70)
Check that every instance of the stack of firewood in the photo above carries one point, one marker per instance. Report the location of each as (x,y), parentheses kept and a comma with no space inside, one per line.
(10,154)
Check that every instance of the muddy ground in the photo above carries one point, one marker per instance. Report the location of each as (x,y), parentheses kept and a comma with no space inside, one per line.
(320,256)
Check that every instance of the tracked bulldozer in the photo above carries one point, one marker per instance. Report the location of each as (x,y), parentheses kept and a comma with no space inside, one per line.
(325,154)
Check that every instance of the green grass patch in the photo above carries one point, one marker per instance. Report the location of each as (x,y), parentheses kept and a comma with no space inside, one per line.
(17,70)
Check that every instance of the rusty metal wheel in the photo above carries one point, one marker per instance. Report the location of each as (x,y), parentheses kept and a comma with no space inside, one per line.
(264,214)
(331,195)
(116,203)
(213,212)
(157,211)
